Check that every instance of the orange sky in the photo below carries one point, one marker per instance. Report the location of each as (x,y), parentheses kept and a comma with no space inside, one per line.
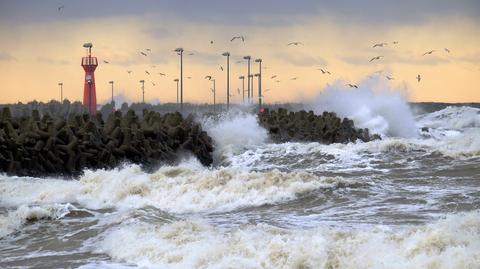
(36,55)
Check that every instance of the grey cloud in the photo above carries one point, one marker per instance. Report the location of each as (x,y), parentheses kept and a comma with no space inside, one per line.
(5,57)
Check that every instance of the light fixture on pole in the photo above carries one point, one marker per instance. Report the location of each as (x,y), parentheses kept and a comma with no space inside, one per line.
(259,61)
(227,54)
(243,88)
(61,91)
(179,51)
(111,82)
(248,76)
(143,90)
(176,80)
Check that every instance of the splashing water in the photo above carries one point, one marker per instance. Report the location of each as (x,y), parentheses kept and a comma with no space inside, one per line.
(384,111)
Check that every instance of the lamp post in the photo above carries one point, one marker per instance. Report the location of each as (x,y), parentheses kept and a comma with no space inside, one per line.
(259,78)
(259,61)
(243,88)
(176,80)
(143,90)
(179,51)
(248,76)
(111,82)
(61,91)
(251,87)
(227,54)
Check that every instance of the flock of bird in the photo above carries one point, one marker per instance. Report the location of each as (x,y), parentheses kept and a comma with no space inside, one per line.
(242,38)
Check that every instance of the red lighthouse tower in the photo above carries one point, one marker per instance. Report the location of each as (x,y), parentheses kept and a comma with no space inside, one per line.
(89,64)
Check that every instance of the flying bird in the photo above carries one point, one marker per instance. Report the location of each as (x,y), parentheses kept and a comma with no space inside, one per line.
(390,78)
(129,71)
(418,78)
(352,85)
(376,58)
(149,50)
(211,41)
(61,7)
(146,72)
(191,53)
(273,76)
(189,77)
(379,45)
(208,77)
(153,84)
(143,53)
(395,42)
(162,74)
(447,50)
(107,62)
(238,37)
(221,68)
(295,78)
(428,52)
(294,43)
(324,71)
(265,67)
(277,81)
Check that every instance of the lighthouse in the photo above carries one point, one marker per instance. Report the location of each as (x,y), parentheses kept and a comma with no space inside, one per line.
(89,64)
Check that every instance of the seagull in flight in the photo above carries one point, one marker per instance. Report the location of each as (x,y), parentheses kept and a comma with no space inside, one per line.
(105,61)
(189,77)
(277,81)
(153,84)
(238,37)
(295,78)
(418,78)
(428,52)
(129,71)
(191,53)
(162,74)
(61,7)
(295,43)
(352,85)
(390,78)
(221,68)
(380,45)
(376,58)
(208,77)
(149,50)
(274,76)
(447,50)
(324,71)
(395,42)
(146,72)
(143,53)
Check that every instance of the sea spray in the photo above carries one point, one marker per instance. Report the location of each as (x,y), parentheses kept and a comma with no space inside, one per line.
(385,112)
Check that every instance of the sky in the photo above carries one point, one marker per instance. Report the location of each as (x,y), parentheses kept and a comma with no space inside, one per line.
(41,45)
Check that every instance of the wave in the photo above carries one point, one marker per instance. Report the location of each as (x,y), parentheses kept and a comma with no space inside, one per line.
(178,189)
(452,242)
(451,118)
(385,112)
(15,219)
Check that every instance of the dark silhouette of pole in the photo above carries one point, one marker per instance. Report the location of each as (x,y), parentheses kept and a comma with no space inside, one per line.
(243,88)
(248,76)
(61,91)
(251,87)
(176,80)
(180,52)
(143,90)
(227,54)
(111,82)
(259,61)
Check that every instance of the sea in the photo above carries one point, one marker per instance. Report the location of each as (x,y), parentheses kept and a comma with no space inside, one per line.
(409,200)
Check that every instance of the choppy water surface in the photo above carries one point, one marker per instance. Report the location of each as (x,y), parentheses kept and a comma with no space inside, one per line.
(397,203)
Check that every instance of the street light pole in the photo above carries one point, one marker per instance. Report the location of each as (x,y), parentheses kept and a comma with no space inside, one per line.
(61,91)
(259,61)
(111,82)
(248,76)
(227,54)
(243,88)
(143,90)
(251,87)
(180,52)
(176,80)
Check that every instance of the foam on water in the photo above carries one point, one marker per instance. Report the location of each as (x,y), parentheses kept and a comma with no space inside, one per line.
(451,118)
(15,219)
(371,106)
(453,242)
(180,189)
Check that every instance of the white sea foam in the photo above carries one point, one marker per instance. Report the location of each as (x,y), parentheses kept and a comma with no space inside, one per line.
(185,188)
(453,242)
(384,111)
(15,219)
(451,118)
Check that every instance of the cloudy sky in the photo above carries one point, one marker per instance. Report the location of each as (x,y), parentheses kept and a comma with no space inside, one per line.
(42,46)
